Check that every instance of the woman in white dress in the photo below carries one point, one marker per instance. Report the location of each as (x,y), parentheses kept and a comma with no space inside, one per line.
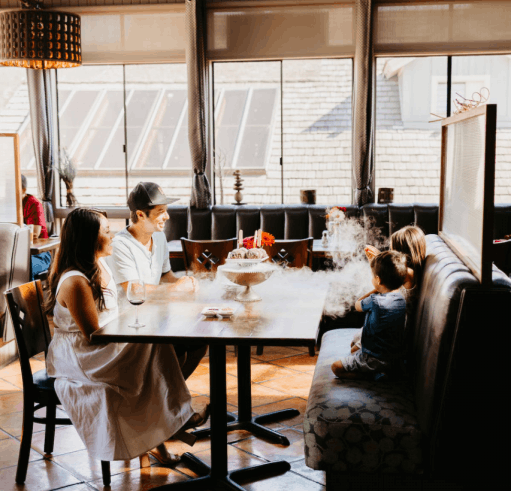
(124,399)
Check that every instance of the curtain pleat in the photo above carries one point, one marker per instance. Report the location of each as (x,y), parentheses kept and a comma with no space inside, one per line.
(197,71)
(362,114)
(40,92)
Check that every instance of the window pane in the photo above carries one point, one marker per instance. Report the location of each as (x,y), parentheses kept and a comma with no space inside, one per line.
(317,112)
(248,131)
(157,128)
(408,147)
(91,124)
(492,72)
(15,118)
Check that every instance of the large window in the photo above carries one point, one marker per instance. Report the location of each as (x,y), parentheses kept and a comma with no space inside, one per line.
(112,150)
(410,91)
(309,149)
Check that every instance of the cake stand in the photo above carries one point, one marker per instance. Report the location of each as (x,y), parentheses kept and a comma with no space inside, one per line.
(247,276)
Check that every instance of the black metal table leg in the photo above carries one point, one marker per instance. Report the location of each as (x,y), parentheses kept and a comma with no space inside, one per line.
(245,420)
(218,477)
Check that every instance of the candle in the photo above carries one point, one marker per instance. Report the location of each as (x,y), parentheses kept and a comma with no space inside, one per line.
(240,238)
(255,241)
(260,232)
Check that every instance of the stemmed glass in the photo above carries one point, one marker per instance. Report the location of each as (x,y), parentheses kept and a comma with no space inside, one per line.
(136,294)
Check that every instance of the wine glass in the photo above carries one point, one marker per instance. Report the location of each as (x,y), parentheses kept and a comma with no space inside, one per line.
(136,294)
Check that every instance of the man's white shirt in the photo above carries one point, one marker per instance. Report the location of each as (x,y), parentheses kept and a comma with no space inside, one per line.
(131,260)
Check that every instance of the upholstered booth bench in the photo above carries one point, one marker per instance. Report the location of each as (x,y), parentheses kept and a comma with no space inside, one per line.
(441,428)
(302,221)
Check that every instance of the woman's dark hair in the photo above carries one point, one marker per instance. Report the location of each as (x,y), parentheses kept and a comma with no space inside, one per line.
(391,268)
(410,240)
(77,251)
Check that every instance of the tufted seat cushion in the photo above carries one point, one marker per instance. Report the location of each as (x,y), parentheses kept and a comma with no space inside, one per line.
(359,426)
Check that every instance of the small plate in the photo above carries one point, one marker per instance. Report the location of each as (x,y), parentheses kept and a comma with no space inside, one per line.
(212,312)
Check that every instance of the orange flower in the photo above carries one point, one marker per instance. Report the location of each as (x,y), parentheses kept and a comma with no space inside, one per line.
(266,240)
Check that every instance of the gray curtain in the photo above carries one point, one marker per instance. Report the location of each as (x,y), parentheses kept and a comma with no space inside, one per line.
(40,94)
(197,71)
(363,104)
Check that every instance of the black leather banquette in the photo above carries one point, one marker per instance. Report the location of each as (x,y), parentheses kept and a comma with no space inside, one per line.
(301,221)
(442,428)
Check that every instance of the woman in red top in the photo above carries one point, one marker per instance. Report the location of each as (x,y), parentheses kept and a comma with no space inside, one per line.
(33,214)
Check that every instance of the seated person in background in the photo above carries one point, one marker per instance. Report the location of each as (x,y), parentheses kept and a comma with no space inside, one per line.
(33,214)
(140,252)
(383,330)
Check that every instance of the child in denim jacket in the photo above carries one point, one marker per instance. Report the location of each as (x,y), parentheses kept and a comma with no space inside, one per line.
(382,340)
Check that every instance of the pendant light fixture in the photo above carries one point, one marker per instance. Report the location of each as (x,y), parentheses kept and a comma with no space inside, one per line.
(35,38)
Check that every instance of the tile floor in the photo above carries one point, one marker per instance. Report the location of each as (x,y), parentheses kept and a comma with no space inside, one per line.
(281,379)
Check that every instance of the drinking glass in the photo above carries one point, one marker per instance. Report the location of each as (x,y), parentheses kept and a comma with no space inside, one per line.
(136,294)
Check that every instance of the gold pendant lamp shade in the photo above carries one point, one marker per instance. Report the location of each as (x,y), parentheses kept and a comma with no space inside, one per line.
(35,38)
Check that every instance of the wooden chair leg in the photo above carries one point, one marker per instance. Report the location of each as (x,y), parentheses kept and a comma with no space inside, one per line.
(312,351)
(49,435)
(259,350)
(105,471)
(26,441)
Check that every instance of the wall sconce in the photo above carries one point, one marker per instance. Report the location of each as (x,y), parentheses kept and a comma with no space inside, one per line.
(36,38)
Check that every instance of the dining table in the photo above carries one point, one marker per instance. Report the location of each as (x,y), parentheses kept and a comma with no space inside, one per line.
(41,245)
(288,315)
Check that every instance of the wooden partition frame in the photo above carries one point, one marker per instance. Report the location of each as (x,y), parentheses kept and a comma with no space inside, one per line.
(482,269)
(17,175)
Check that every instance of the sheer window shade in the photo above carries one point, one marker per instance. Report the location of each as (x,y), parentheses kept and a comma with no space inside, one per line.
(117,37)
(281,32)
(442,27)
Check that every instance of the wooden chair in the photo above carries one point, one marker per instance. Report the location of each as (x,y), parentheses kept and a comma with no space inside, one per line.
(206,256)
(293,253)
(33,337)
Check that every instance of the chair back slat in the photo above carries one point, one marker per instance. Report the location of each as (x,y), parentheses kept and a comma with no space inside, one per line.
(291,253)
(30,323)
(206,256)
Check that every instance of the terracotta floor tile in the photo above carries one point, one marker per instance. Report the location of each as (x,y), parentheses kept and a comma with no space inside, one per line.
(276,452)
(201,385)
(9,451)
(263,371)
(297,385)
(302,363)
(286,481)
(67,440)
(142,479)
(11,422)
(3,435)
(261,395)
(41,475)
(77,487)
(237,458)
(297,403)
(271,353)
(12,402)
(7,385)
(88,469)
(301,468)
(15,368)
(15,380)
(179,447)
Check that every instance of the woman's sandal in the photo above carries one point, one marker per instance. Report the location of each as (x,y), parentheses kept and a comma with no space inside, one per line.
(170,460)
(198,419)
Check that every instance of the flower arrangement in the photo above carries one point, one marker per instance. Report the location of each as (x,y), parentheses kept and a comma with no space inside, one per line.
(336,214)
(266,240)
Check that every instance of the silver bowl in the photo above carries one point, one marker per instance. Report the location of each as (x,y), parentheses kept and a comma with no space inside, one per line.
(247,276)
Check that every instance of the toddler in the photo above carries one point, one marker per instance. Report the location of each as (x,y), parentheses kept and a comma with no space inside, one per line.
(382,340)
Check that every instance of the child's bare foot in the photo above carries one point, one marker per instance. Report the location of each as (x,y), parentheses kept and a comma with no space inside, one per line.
(354,348)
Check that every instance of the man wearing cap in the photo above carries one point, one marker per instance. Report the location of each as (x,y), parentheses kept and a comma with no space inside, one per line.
(140,252)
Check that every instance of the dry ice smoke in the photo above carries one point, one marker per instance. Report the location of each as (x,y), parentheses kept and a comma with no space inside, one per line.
(348,281)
